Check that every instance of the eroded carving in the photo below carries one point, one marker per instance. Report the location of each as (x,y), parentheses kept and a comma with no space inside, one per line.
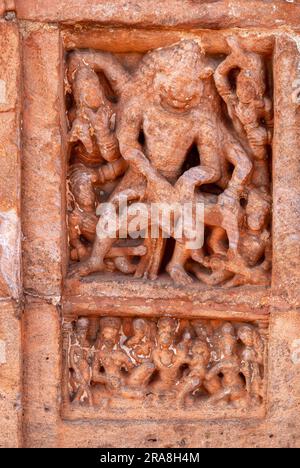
(184,363)
(133,135)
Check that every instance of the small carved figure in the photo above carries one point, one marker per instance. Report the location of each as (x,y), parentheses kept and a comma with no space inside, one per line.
(205,331)
(252,358)
(82,216)
(83,221)
(228,368)
(169,357)
(79,357)
(252,265)
(198,368)
(97,161)
(250,110)
(247,103)
(140,347)
(112,366)
(110,359)
(93,118)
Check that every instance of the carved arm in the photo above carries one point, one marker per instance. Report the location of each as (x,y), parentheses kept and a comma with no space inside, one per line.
(100,62)
(222,81)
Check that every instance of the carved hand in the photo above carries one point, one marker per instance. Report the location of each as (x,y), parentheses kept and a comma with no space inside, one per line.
(81,132)
(136,159)
(100,119)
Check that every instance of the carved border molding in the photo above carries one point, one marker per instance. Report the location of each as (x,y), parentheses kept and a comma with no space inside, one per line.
(184,13)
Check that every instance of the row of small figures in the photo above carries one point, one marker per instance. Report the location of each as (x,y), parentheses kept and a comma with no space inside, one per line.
(185,360)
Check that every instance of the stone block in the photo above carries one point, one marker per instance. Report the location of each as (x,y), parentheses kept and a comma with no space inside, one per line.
(10,223)
(10,376)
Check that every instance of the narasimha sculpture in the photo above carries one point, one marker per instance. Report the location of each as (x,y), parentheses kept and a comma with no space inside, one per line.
(187,363)
(180,128)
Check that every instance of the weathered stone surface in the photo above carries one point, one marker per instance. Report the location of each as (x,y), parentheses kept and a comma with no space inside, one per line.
(10,229)
(41,382)
(187,13)
(43,163)
(10,376)
(286,170)
(151,299)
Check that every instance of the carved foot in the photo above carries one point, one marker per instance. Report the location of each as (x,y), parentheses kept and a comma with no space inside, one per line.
(254,276)
(179,275)
(211,280)
(124,265)
(86,268)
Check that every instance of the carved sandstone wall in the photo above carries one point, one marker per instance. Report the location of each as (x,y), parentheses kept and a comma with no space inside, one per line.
(108,315)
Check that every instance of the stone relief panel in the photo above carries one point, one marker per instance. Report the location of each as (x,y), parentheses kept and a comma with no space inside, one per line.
(199,366)
(173,126)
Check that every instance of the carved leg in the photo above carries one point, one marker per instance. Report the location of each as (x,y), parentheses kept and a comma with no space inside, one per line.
(237,280)
(79,251)
(187,387)
(216,241)
(216,278)
(198,256)
(176,266)
(213,385)
(139,250)
(150,262)
(146,259)
(121,258)
(246,275)
(131,393)
(231,226)
(101,248)
(196,176)
(157,258)
(96,261)
(222,394)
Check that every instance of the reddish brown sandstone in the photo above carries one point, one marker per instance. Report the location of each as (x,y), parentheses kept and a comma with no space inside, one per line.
(145,13)
(10,239)
(10,162)
(149,342)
